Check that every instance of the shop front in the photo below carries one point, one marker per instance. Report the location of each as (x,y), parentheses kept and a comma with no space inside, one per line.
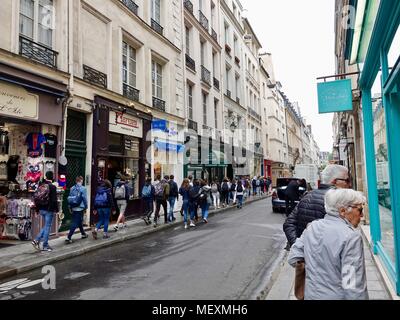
(120,150)
(30,135)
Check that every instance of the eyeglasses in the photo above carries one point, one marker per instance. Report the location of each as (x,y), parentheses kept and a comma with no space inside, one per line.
(360,209)
(347,180)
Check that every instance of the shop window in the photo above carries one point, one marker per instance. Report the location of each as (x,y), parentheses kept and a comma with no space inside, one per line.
(394,51)
(115,143)
(382,169)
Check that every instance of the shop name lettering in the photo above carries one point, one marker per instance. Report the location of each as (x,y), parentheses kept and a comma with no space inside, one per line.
(9,107)
(126,121)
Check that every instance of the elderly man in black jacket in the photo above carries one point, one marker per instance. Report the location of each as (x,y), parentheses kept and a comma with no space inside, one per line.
(312,207)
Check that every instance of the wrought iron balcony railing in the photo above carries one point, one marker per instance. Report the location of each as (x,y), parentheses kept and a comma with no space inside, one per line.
(193,125)
(203,20)
(190,63)
(188,6)
(158,104)
(37,52)
(216,83)
(131,5)
(228,93)
(131,92)
(95,77)
(214,35)
(254,114)
(206,75)
(156,27)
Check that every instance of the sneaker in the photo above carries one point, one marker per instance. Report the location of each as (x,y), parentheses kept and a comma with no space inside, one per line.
(155,224)
(116,228)
(186,226)
(192,224)
(205,220)
(149,221)
(94,234)
(146,220)
(68,241)
(84,236)
(106,236)
(173,219)
(124,226)
(36,245)
(47,249)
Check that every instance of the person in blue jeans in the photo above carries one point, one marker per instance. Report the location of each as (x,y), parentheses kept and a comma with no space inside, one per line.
(172,198)
(47,211)
(184,192)
(148,192)
(205,204)
(80,192)
(103,204)
(239,194)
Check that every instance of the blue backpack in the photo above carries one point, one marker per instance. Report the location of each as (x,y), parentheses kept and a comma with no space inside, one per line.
(75,197)
(101,199)
(146,191)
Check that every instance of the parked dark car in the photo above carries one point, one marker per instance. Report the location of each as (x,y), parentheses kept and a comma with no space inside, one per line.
(278,194)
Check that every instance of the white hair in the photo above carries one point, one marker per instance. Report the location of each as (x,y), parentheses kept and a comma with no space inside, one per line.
(332,172)
(335,199)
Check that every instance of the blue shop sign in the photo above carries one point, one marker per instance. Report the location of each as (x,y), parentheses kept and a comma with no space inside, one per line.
(335,96)
(169,147)
(159,124)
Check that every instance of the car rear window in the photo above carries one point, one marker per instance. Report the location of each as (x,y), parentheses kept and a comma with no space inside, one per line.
(281,182)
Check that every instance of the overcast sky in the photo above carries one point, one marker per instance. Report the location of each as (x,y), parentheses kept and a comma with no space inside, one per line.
(300,35)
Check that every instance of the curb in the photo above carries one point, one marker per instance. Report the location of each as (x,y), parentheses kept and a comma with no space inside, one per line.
(24,267)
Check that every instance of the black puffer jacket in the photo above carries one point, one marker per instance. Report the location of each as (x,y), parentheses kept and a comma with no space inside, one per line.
(311,207)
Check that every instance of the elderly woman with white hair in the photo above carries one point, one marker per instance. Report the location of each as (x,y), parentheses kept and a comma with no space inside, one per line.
(332,250)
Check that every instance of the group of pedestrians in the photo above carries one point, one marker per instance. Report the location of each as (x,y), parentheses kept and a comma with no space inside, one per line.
(324,240)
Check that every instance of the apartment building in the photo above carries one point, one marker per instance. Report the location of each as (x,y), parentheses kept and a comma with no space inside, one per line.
(293,125)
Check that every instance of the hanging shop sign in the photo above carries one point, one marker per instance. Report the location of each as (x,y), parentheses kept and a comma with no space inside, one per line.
(125,124)
(335,96)
(17,102)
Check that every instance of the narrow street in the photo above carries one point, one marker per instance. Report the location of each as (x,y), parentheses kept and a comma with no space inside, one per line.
(231,257)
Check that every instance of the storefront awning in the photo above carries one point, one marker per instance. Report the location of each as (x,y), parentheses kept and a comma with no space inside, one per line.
(169,147)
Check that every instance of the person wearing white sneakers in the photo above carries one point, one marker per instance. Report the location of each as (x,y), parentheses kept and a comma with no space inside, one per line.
(184,192)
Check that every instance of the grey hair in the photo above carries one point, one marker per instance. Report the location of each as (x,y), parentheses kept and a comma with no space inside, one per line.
(335,199)
(332,172)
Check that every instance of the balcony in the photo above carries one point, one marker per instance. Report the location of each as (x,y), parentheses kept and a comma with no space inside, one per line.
(228,94)
(254,114)
(190,63)
(203,20)
(158,104)
(214,35)
(205,75)
(228,49)
(216,83)
(37,52)
(131,5)
(95,77)
(131,92)
(188,6)
(192,125)
(156,27)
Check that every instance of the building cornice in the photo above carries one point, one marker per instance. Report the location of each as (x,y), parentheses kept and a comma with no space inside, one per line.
(229,13)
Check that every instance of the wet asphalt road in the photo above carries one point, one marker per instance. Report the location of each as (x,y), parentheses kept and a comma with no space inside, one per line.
(231,257)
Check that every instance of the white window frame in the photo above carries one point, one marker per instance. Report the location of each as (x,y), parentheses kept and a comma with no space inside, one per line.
(187,40)
(204,98)
(216,113)
(154,16)
(131,76)
(190,101)
(156,74)
(36,23)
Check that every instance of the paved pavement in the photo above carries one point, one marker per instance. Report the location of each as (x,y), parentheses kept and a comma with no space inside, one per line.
(231,257)
(283,284)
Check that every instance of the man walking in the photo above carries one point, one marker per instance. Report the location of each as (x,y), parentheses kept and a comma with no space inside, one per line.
(45,199)
(148,192)
(161,195)
(173,196)
(292,194)
(78,204)
(312,206)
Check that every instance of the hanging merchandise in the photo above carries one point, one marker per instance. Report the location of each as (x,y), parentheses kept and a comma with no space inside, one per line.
(3,170)
(49,166)
(50,148)
(33,174)
(35,142)
(4,142)
(62,172)
(12,168)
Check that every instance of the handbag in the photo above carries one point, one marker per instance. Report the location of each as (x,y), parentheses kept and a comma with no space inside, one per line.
(300,280)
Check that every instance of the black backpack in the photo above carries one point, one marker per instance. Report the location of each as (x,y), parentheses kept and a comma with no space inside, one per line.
(239,188)
(225,187)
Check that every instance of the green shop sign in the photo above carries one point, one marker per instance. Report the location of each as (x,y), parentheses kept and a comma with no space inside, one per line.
(335,96)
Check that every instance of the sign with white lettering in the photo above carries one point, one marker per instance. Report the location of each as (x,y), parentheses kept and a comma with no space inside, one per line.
(335,96)
(125,124)
(17,102)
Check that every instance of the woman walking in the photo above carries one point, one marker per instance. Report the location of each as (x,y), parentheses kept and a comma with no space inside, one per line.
(239,194)
(121,195)
(194,194)
(205,200)
(184,192)
(225,192)
(215,192)
(103,204)
(332,250)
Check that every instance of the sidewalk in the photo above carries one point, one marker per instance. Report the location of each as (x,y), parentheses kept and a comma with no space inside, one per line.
(21,258)
(283,286)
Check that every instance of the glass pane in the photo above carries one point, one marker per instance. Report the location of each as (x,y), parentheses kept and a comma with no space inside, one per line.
(27,7)
(46,16)
(132,79)
(394,51)
(132,53)
(124,76)
(159,81)
(124,48)
(45,36)
(382,169)
(26,26)
(132,66)
(159,92)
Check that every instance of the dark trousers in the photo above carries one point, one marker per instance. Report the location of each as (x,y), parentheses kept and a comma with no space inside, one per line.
(149,207)
(290,205)
(225,197)
(77,218)
(193,207)
(159,203)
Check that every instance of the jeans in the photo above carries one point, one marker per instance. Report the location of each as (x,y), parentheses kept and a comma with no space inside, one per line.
(159,203)
(216,199)
(185,207)
(240,201)
(77,218)
(193,210)
(204,210)
(171,208)
(45,232)
(104,217)
(225,197)
(149,207)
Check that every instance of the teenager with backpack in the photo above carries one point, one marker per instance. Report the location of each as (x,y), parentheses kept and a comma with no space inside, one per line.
(78,204)
(172,198)
(225,192)
(103,204)
(184,192)
(233,191)
(121,195)
(45,199)
(148,192)
(262,184)
(161,195)
(194,193)
(215,192)
(205,200)
(239,194)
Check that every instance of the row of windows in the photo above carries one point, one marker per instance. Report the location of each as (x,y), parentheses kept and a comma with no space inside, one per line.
(205,98)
